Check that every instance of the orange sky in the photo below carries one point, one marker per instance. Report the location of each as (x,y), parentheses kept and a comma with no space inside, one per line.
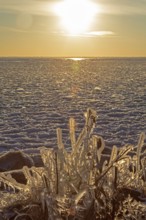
(33,28)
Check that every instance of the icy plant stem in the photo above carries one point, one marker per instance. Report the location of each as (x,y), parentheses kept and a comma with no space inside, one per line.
(57,174)
(119,157)
(139,148)
(113,154)
(85,134)
(72,132)
(59,138)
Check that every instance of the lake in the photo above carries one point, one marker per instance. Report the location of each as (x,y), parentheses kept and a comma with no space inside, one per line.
(38,95)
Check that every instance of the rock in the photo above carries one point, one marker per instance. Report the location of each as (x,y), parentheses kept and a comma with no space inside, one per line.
(15,160)
(37,160)
(34,153)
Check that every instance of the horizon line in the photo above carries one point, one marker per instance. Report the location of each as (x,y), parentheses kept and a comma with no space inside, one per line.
(72,57)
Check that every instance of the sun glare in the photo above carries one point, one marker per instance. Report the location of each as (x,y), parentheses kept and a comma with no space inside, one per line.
(76,15)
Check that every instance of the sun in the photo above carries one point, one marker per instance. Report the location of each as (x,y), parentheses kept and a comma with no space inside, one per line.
(76,15)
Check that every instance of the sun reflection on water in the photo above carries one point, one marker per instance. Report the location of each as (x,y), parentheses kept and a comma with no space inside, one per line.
(76,58)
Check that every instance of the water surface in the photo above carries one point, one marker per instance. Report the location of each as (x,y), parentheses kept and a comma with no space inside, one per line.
(39,95)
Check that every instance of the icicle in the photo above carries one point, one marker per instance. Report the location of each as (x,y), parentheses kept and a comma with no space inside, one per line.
(27,174)
(113,154)
(5,186)
(12,183)
(42,200)
(7,180)
(73,187)
(99,145)
(79,196)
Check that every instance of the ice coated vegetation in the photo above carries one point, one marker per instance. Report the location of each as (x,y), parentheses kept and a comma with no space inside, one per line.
(79,184)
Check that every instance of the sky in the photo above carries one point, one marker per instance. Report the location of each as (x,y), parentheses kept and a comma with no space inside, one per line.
(73,28)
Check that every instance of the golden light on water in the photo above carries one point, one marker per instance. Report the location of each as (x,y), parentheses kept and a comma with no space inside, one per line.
(76,58)
(76,15)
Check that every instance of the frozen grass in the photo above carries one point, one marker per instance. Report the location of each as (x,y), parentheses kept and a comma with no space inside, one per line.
(80,184)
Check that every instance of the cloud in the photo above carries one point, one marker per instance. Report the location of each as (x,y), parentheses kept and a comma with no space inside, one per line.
(91,34)
(99,33)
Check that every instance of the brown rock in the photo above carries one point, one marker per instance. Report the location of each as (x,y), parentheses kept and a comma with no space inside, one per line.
(14,160)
